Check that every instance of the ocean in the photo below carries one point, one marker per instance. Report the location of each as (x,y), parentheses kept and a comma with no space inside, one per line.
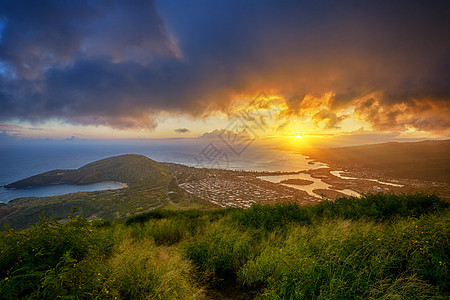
(20,160)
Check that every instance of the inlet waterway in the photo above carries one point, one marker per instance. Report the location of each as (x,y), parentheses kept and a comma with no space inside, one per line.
(55,190)
(317,184)
(339,174)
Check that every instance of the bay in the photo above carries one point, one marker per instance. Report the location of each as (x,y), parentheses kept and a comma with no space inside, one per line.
(22,160)
(55,190)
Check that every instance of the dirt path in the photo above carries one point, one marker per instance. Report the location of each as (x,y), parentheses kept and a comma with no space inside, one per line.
(228,290)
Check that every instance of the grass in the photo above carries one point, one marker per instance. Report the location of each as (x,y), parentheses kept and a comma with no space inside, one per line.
(52,260)
(142,270)
(380,246)
(355,259)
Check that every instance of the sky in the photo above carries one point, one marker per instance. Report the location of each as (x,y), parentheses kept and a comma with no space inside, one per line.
(367,71)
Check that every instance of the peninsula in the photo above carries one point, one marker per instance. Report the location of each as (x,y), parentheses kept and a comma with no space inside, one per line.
(131,169)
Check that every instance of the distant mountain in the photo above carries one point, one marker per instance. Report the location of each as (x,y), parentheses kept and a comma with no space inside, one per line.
(427,160)
(131,169)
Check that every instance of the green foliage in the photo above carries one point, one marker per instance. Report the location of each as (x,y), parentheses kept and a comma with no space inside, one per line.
(168,227)
(356,259)
(163,231)
(268,218)
(45,260)
(379,246)
(320,251)
(141,270)
(221,250)
(380,206)
(186,215)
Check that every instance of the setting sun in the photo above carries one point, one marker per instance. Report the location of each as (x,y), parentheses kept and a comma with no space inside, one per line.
(299,135)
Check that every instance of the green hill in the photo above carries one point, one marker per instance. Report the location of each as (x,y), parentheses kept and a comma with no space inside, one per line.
(148,186)
(132,169)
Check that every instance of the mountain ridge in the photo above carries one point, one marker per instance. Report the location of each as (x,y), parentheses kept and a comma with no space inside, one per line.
(424,160)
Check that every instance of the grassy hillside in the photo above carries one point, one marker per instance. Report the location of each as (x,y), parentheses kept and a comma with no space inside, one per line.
(379,247)
(148,189)
(132,169)
(427,160)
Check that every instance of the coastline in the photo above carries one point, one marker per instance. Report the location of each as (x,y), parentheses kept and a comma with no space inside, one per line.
(47,190)
(122,184)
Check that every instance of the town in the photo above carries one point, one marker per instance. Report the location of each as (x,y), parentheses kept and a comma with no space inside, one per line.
(228,188)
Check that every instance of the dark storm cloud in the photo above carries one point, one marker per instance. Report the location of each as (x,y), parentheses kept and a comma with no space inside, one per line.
(332,120)
(117,63)
(182,130)
(45,34)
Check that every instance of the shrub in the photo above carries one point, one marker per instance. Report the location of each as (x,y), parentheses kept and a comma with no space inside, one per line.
(268,217)
(380,206)
(43,261)
(221,250)
(163,231)
(187,215)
